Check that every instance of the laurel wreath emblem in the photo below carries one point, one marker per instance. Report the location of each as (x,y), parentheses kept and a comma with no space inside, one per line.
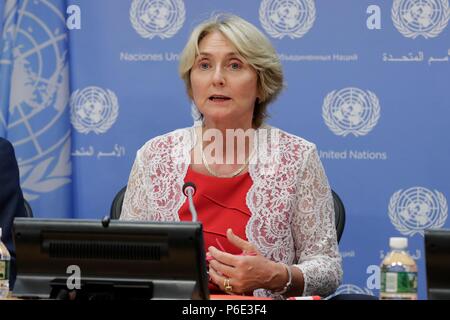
(398,224)
(331,123)
(104,125)
(145,33)
(351,288)
(35,179)
(300,32)
(403,29)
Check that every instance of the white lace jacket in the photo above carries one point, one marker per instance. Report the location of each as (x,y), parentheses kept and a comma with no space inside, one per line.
(290,200)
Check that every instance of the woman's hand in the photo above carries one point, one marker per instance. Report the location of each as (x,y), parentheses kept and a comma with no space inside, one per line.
(246,272)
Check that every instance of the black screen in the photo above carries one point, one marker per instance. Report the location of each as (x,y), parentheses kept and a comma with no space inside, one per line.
(119,259)
(437,255)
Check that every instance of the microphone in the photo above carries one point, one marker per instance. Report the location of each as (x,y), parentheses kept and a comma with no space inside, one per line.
(189,189)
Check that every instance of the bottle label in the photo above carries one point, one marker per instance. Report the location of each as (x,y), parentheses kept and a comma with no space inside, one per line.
(399,282)
(4,269)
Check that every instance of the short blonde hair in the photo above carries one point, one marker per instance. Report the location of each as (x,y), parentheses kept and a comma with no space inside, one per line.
(252,45)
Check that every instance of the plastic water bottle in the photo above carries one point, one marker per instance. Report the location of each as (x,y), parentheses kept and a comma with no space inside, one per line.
(5,262)
(398,272)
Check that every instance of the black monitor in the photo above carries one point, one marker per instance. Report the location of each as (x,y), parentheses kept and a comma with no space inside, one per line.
(437,259)
(116,259)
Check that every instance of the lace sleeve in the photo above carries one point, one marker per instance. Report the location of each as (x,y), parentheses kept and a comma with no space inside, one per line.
(314,230)
(135,201)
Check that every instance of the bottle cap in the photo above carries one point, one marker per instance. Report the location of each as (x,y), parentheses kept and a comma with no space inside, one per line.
(398,243)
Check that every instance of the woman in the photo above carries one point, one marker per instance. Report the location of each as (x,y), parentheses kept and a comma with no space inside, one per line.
(267,211)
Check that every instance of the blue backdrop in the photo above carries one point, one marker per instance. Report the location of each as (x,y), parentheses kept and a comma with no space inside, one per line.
(84,83)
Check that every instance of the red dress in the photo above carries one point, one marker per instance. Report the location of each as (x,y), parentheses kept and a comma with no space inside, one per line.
(220,204)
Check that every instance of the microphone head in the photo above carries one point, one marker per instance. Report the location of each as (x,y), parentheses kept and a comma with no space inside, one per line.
(189,187)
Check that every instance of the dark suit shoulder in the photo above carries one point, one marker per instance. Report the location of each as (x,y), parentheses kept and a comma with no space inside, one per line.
(5,145)
(7,156)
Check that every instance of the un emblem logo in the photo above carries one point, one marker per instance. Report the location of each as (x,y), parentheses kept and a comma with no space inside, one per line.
(351,110)
(36,51)
(415,209)
(162,18)
(93,109)
(351,289)
(426,18)
(292,18)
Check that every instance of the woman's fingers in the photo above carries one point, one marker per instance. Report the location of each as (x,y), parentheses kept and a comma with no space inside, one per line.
(224,269)
(245,246)
(223,257)
(220,280)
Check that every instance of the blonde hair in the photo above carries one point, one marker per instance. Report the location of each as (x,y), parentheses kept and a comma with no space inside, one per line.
(252,45)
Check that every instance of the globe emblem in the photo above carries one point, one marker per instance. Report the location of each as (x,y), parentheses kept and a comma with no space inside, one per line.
(156,15)
(161,18)
(291,18)
(38,98)
(416,209)
(350,110)
(420,17)
(287,15)
(93,109)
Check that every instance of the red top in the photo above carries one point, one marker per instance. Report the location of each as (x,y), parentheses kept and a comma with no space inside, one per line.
(220,204)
